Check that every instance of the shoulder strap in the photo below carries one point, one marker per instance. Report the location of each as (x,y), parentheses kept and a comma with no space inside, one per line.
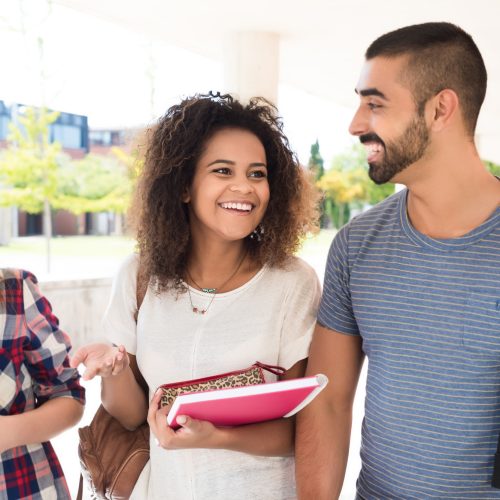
(79,495)
(140,291)
(141,288)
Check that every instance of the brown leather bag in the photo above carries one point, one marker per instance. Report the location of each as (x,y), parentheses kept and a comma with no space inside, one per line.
(112,457)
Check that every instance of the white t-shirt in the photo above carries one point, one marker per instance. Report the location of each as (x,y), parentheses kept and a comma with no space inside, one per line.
(269,319)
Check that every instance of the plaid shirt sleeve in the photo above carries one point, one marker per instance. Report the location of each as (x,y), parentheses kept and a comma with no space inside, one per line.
(47,351)
(34,367)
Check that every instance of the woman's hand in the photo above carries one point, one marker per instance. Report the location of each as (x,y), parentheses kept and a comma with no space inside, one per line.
(104,360)
(192,433)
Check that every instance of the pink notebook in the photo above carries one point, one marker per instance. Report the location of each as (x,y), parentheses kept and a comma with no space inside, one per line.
(249,404)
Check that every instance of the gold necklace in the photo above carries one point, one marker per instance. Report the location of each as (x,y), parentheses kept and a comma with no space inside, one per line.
(213,291)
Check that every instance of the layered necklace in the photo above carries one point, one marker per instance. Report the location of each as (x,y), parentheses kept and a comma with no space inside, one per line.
(212,291)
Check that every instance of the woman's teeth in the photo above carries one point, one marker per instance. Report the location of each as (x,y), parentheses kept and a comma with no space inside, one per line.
(237,206)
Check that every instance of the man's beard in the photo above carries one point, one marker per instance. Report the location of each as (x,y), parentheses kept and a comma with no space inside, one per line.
(400,153)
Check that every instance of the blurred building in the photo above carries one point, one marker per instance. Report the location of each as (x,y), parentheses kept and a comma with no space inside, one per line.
(70,130)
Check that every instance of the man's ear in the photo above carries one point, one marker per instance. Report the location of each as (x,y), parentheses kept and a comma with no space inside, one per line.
(444,109)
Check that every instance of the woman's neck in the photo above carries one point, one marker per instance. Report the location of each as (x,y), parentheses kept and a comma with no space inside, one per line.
(221,266)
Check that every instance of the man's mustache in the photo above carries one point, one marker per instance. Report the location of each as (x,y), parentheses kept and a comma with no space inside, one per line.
(371,138)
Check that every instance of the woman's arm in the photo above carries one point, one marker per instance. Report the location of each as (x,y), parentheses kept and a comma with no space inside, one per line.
(41,424)
(273,438)
(123,396)
(123,391)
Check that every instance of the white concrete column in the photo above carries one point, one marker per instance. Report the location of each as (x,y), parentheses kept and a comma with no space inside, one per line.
(5,225)
(251,65)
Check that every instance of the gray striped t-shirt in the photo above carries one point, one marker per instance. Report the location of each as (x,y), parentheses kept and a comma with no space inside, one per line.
(429,314)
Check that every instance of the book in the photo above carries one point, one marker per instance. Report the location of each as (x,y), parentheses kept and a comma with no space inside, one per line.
(249,404)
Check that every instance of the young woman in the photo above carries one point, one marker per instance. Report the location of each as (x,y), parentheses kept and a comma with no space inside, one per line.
(221,207)
(40,395)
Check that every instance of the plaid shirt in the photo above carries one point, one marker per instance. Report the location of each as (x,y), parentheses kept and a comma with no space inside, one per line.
(34,368)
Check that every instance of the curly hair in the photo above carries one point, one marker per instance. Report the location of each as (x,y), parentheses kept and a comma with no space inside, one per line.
(160,217)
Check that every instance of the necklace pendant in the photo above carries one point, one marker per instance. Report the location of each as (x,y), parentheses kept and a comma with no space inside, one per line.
(199,311)
(209,290)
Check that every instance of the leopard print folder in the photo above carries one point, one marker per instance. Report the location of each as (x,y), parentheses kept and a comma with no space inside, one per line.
(252,375)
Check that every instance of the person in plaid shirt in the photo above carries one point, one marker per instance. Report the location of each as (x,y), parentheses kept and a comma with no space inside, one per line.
(40,395)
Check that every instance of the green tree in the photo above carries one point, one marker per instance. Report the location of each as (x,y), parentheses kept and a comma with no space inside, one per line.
(93,184)
(99,183)
(132,162)
(29,167)
(37,177)
(347,185)
(316,166)
(342,189)
(494,168)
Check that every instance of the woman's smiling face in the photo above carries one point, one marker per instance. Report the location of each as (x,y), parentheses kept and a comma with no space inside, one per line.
(230,191)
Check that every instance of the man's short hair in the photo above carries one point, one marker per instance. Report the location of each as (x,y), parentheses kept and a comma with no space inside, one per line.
(440,56)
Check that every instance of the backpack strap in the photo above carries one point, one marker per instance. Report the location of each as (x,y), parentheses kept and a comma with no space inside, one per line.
(141,288)
(79,495)
(140,292)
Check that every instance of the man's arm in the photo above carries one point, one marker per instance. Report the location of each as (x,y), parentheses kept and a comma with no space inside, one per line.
(324,426)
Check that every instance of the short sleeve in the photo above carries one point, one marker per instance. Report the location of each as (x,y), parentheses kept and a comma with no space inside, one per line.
(336,311)
(300,309)
(47,352)
(119,323)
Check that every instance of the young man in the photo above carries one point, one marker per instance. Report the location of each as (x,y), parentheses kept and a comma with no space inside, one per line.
(413,284)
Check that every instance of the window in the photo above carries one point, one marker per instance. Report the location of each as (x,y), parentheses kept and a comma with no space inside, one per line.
(69,136)
(4,126)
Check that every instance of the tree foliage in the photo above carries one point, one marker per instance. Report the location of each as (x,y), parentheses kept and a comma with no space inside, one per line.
(94,184)
(316,163)
(33,169)
(316,167)
(346,186)
(29,166)
(494,168)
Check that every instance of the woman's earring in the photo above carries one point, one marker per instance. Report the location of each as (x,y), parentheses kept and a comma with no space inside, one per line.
(257,233)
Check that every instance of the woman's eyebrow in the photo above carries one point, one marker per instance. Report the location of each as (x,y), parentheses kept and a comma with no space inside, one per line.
(230,162)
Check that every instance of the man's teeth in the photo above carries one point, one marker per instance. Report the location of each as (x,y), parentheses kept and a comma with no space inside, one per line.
(237,206)
(373,148)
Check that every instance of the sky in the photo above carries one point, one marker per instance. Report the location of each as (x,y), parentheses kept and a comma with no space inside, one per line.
(120,79)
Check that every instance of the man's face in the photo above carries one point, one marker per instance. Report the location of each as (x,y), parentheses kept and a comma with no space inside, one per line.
(387,122)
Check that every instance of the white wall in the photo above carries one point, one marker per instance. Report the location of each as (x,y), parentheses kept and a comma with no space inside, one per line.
(79,305)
